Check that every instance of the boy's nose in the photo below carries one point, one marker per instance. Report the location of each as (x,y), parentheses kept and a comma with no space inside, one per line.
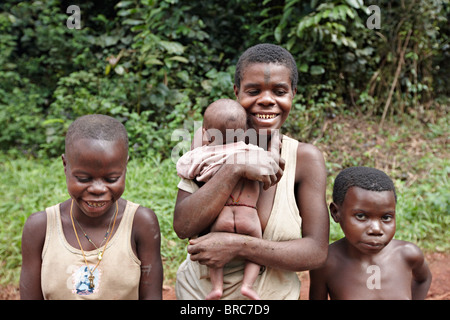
(375,229)
(97,187)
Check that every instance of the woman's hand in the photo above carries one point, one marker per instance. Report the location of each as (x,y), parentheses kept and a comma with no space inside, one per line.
(260,165)
(215,249)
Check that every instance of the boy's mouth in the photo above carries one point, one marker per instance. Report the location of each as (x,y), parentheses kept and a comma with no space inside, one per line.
(93,204)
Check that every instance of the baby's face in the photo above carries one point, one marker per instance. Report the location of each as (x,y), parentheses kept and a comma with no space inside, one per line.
(367,219)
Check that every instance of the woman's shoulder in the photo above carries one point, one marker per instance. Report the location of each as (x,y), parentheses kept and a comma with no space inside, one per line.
(309,162)
(304,150)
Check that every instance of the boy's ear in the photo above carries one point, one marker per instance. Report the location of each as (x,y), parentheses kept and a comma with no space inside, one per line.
(63,157)
(334,211)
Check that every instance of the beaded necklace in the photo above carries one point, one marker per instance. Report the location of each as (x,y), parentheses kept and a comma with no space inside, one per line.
(100,255)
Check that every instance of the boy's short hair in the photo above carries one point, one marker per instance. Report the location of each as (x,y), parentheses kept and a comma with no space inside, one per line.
(370,179)
(266,53)
(97,127)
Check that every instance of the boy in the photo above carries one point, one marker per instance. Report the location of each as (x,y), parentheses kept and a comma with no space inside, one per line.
(94,245)
(367,263)
(239,213)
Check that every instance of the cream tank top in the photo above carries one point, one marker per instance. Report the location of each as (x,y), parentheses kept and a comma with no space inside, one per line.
(64,275)
(284,224)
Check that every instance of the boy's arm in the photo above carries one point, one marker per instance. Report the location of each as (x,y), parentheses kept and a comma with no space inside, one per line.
(148,241)
(33,238)
(420,272)
(318,289)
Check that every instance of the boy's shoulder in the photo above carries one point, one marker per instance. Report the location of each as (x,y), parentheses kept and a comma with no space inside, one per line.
(36,221)
(408,251)
(145,219)
(336,253)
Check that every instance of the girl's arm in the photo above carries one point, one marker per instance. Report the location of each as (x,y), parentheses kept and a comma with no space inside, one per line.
(148,241)
(33,238)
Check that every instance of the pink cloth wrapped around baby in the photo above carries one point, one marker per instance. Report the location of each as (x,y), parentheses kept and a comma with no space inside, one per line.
(203,162)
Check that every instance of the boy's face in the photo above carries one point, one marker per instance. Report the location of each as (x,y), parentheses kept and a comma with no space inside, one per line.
(95,174)
(367,218)
(266,94)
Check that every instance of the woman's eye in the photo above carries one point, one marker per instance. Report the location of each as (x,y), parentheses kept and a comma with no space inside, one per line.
(253,92)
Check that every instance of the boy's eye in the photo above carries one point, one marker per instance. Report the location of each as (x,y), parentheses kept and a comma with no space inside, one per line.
(83,179)
(111,180)
(360,216)
(386,218)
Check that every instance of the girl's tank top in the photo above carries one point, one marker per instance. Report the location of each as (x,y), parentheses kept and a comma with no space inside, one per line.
(64,274)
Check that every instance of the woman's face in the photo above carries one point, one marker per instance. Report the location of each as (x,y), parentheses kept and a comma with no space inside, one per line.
(266,94)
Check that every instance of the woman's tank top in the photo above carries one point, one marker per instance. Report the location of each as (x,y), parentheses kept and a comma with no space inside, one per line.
(64,274)
(284,224)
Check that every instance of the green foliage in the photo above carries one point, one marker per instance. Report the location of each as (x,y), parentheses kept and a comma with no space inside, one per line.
(157,64)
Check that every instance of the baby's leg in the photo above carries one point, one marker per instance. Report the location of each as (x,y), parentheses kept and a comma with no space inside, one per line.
(216,276)
(225,223)
(251,272)
(247,222)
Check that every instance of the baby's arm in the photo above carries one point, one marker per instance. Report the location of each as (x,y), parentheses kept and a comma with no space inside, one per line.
(421,275)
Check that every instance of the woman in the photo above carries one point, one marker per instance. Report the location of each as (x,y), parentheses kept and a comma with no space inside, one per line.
(292,206)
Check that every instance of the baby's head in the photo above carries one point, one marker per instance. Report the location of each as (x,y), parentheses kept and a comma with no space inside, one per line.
(95,161)
(363,204)
(224,121)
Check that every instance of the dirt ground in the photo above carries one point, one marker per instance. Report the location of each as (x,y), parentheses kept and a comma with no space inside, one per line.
(439,264)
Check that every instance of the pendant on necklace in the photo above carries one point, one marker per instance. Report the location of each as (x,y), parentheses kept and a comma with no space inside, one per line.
(91,281)
(100,255)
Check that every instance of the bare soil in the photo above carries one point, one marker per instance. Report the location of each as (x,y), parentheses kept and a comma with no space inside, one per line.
(439,264)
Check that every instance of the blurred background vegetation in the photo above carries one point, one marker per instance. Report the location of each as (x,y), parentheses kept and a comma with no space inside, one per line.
(156,64)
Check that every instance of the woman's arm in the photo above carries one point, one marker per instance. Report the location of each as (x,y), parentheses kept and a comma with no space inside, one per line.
(309,252)
(197,211)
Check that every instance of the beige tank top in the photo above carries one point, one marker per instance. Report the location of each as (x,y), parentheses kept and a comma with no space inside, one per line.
(64,274)
(284,224)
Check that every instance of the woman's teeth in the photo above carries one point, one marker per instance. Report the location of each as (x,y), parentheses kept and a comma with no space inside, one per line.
(95,204)
(265,116)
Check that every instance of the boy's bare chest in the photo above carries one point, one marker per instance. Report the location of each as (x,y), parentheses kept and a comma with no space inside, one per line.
(366,281)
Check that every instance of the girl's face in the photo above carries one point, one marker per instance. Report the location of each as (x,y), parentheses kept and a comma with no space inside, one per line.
(95,175)
(266,94)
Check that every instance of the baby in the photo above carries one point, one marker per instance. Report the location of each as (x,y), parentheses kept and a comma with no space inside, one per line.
(367,263)
(239,214)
